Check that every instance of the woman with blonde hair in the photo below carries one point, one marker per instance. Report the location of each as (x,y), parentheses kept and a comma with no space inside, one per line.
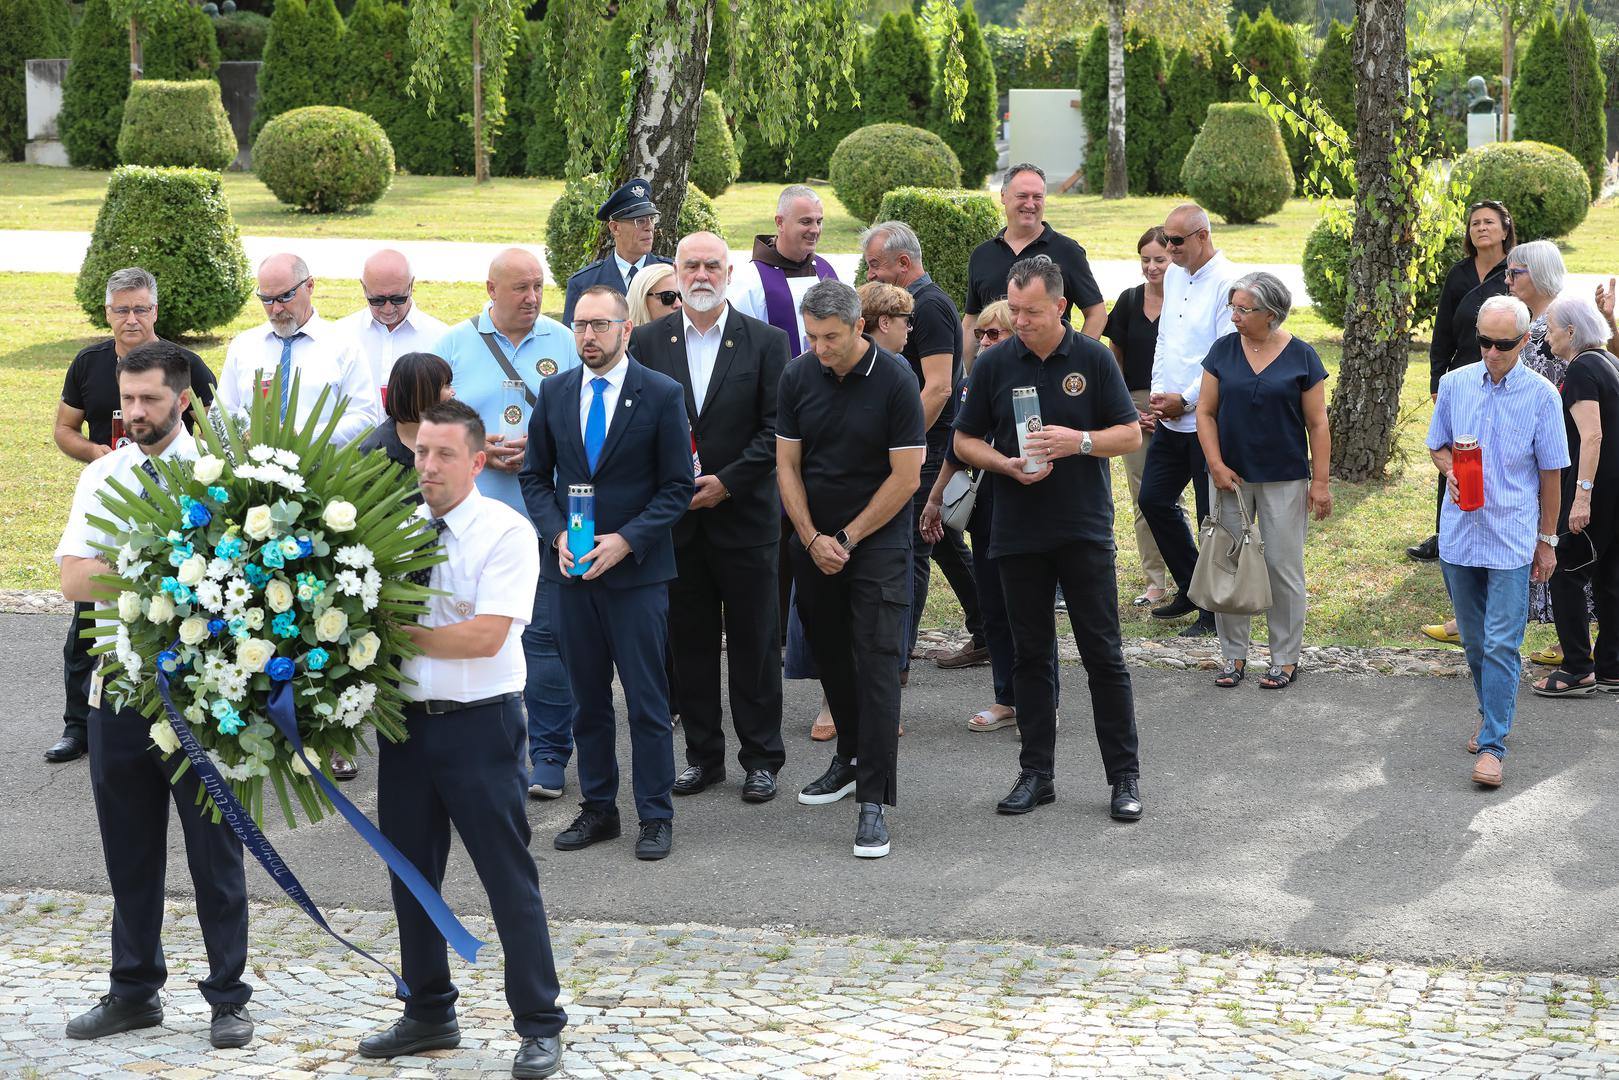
(653,294)
(887,312)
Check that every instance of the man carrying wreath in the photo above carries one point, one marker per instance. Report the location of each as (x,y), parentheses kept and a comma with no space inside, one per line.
(128,776)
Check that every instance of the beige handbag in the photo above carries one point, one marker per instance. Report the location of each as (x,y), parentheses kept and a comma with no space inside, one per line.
(1231,577)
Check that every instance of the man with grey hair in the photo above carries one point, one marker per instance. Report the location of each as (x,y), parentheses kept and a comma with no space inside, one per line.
(849,450)
(771,285)
(1508,421)
(390,325)
(933,349)
(90,400)
(295,341)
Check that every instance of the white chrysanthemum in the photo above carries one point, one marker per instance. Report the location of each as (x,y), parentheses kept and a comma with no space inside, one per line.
(292,482)
(371,591)
(233,687)
(356,555)
(219,568)
(287,459)
(347,582)
(260,454)
(247,472)
(243,771)
(238,591)
(234,609)
(354,704)
(126,558)
(210,595)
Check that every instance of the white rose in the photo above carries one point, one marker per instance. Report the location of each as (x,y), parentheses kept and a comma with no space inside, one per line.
(331,624)
(193,570)
(253,653)
(129,606)
(278,594)
(207,469)
(194,630)
(339,516)
(258,524)
(161,609)
(163,735)
(299,767)
(254,618)
(363,653)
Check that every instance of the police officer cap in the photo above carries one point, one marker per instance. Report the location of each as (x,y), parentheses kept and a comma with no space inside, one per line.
(633,200)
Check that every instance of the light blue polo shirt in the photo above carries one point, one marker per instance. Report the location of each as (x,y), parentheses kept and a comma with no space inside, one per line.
(546,352)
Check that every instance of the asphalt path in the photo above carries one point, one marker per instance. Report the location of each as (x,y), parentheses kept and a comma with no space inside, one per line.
(1334,816)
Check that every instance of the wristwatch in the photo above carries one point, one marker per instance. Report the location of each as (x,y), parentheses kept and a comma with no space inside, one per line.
(1585,485)
(1549,539)
(843,540)
(1085,442)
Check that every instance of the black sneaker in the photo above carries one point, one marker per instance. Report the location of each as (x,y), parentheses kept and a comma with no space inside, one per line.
(1126,800)
(1427,551)
(590,827)
(655,839)
(231,1026)
(1203,626)
(1176,608)
(830,786)
(871,833)
(113,1014)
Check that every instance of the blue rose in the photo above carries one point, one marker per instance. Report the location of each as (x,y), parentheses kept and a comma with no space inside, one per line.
(169,661)
(316,659)
(216,626)
(229,548)
(306,547)
(271,556)
(281,669)
(197,515)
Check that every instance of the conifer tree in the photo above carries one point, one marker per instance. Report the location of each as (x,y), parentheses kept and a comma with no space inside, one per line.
(973,136)
(94,90)
(897,82)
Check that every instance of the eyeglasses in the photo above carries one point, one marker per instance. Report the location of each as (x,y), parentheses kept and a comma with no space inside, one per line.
(909,317)
(596,326)
(382,301)
(284,298)
(648,221)
(140,311)
(1238,309)
(668,298)
(990,333)
(1515,271)
(1485,344)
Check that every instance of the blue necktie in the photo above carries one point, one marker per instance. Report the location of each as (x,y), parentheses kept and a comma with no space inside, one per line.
(285,371)
(596,423)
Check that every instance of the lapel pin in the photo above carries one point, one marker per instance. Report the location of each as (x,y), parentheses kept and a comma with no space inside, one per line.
(626,403)
(730,344)
(674,339)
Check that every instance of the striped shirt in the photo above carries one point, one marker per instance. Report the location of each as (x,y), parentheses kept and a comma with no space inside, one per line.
(1519,425)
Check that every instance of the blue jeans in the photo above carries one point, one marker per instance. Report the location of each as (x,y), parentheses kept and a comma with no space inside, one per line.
(1491,607)
(546,696)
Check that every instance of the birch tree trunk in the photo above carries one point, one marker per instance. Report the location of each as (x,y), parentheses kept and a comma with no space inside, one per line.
(480,155)
(1508,41)
(134,49)
(1116,182)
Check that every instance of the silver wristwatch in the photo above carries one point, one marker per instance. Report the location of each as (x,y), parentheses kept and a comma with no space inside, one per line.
(1585,485)
(1085,443)
(1549,539)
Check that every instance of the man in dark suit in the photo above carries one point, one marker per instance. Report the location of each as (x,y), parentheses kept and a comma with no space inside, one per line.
(725,547)
(632,221)
(623,431)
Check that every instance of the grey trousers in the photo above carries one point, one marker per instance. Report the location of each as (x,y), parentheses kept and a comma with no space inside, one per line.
(1152,563)
(1283,511)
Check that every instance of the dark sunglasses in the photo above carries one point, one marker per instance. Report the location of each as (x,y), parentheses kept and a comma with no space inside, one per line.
(381,301)
(908,316)
(991,334)
(284,298)
(1504,345)
(1177,241)
(668,298)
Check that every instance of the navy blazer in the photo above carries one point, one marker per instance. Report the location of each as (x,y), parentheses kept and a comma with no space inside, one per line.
(643,478)
(601,272)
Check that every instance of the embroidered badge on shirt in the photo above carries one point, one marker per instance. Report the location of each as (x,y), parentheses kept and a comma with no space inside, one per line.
(463,608)
(546,368)
(1073,384)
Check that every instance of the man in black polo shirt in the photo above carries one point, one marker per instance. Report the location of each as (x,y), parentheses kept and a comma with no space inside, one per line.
(933,349)
(1025,236)
(90,396)
(1054,525)
(849,449)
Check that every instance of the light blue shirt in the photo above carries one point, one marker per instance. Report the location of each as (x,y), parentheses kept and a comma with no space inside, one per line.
(1519,425)
(546,352)
(624,268)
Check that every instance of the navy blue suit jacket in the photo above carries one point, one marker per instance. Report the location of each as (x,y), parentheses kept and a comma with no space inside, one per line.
(643,478)
(601,272)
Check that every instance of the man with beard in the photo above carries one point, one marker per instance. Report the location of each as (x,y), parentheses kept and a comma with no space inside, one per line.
(728,365)
(295,341)
(622,431)
(390,325)
(784,267)
(129,777)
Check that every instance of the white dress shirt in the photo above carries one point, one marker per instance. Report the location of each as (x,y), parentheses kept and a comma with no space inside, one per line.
(493,569)
(121,464)
(327,355)
(615,383)
(417,332)
(702,350)
(1194,315)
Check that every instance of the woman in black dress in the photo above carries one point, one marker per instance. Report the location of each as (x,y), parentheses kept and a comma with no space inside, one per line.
(417,380)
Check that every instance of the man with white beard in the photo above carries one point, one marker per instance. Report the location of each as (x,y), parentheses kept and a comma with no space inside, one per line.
(726,546)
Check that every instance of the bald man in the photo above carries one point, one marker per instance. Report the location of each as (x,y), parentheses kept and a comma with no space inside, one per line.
(511,342)
(295,341)
(390,325)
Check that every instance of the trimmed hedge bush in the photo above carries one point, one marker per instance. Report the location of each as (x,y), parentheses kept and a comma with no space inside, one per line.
(241,35)
(1542,185)
(28,31)
(176,224)
(1326,272)
(571,228)
(973,136)
(714,163)
(1145,112)
(94,90)
(324,158)
(871,162)
(176,123)
(1237,166)
(949,223)
(178,45)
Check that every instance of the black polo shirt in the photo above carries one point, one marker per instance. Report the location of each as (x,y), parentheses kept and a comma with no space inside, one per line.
(991,264)
(1080,387)
(846,428)
(91,387)
(935,329)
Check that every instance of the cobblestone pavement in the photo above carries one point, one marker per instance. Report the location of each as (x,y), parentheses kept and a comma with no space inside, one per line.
(700,1001)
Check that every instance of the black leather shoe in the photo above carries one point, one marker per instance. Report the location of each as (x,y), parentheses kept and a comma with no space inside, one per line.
(1177,607)
(1126,801)
(114,1014)
(655,839)
(1203,626)
(1427,551)
(830,786)
(343,768)
(871,832)
(760,786)
(540,1055)
(590,827)
(67,748)
(695,778)
(1030,791)
(409,1036)
(231,1026)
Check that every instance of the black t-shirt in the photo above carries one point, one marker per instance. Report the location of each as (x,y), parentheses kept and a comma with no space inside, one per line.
(991,264)
(935,329)
(1136,336)
(1592,376)
(1080,387)
(1455,327)
(91,387)
(1263,438)
(846,428)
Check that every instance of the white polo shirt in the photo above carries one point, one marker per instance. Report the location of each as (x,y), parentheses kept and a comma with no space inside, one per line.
(493,569)
(327,355)
(417,332)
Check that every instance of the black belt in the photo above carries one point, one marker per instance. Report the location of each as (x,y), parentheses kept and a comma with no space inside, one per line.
(439,708)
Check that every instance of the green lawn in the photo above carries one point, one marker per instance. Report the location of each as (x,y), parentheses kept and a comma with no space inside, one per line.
(1363,590)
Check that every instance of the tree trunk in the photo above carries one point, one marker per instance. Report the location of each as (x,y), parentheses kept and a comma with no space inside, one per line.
(662,126)
(480,154)
(134,49)
(1116,183)
(1508,41)
(1366,402)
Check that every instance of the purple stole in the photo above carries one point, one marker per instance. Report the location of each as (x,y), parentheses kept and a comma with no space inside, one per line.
(780,311)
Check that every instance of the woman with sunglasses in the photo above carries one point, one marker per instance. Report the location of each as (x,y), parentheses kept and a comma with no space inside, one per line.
(887,311)
(653,294)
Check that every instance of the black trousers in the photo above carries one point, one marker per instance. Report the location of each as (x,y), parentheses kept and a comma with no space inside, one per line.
(1573,620)
(1174,459)
(853,621)
(1086,573)
(950,553)
(733,589)
(130,782)
(77,663)
(467,769)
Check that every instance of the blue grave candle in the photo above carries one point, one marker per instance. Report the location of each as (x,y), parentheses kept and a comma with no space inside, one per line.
(581,524)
